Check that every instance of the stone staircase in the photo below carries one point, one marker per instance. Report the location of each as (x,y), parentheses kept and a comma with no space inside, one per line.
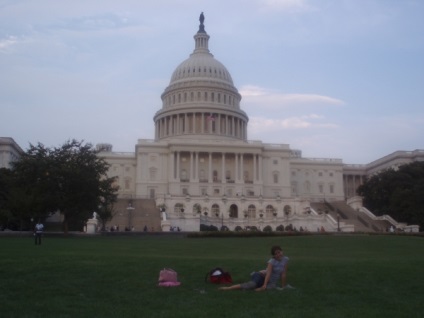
(142,214)
(361,221)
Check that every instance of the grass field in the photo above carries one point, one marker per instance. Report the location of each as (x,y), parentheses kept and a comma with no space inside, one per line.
(333,276)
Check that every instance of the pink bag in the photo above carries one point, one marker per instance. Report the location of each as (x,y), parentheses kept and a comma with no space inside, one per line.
(168,277)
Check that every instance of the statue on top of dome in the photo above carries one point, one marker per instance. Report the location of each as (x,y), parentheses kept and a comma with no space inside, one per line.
(201,26)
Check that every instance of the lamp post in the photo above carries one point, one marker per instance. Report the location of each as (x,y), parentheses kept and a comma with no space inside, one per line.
(338,222)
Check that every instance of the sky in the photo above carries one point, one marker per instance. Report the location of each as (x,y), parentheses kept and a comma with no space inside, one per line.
(333,78)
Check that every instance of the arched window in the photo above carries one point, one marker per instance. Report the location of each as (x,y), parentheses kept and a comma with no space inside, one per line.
(275,176)
(179,208)
(197,209)
(127,183)
(215,210)
(307,187)
(153,173)
(269,211)
(294,188)
(287,209)
(251,211)
(233,211)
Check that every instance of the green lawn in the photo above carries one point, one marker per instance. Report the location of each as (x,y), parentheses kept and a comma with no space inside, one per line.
(334,276)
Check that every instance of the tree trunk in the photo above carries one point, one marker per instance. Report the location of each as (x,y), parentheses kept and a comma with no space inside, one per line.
(65,226)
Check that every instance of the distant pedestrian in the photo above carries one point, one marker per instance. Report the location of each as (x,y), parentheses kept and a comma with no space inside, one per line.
(38,231)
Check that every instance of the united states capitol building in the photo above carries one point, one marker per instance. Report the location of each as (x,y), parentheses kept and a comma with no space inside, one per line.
(202,170)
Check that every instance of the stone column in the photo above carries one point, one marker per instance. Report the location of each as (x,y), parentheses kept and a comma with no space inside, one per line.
(191,167)
(210,168)
(260,168)
(241,168)
(178,165)
(172,166)
(254,168)
(202,129)
(196,169)
(236,173)
(223,180)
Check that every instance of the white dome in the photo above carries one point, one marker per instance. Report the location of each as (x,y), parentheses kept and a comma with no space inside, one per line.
(201,66)
(201,100)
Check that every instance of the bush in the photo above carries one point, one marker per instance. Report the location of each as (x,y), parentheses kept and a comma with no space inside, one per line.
(267,228)
(208,228)
(280,228)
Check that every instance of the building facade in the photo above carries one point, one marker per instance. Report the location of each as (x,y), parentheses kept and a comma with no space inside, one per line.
(201,167)
(9,152)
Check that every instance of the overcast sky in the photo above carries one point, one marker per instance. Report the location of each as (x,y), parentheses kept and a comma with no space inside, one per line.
(332,78)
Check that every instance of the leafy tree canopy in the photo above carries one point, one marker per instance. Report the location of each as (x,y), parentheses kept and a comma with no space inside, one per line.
(398,193)
(71,179)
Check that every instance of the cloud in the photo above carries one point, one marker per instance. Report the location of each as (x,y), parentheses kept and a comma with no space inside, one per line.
(274,99)
(7,43)
(286,5)
(260,125)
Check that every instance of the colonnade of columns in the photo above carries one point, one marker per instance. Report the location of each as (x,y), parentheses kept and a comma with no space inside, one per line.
(351,184)
(201,123)
(227,168)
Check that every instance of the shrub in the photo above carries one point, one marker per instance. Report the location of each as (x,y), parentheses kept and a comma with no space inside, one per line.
(267,228)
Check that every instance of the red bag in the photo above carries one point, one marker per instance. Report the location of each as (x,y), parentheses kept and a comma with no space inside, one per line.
(218,276)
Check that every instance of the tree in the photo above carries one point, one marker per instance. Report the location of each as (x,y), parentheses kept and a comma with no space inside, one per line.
(398,193)
(15,202)
(107,201)
(5,214)
(70,179)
